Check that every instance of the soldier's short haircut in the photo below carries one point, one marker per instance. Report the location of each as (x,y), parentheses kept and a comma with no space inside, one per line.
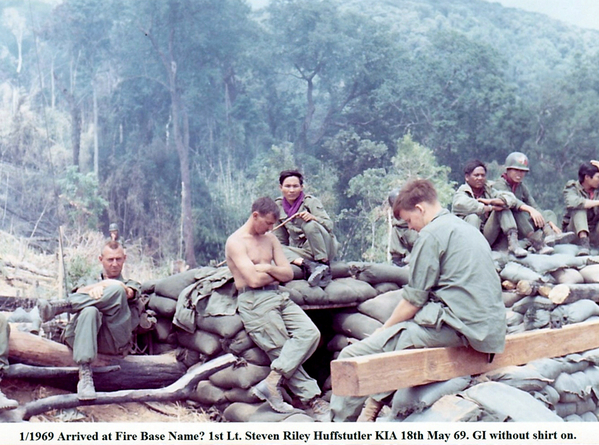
(112,245)
(586,169)
(412,193)
(265,206)
(472,164)
(288,173)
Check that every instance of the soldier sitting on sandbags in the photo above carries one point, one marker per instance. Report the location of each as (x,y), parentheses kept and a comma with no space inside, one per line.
(276,324)
(487,209)
(529,219)
(582,207)
(306,230)
(453,297)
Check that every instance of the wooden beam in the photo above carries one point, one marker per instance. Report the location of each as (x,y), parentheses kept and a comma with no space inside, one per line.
(388,371)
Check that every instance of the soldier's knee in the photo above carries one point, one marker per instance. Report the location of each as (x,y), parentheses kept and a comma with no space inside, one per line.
(89,312)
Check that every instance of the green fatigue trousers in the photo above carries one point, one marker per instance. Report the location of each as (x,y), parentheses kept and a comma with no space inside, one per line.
(406,335)
(318,244)
(4,333)
(102,325)
(496,223)
(579,222)
(285,333)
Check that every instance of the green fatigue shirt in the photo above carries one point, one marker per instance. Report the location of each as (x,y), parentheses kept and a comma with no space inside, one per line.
(291,234)
(521,194)
(453,280)
(574,198)
(465,203)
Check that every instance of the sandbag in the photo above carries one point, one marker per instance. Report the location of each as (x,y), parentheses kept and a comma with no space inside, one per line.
(223,325)
(408,400)
(148,287)
(241,395)
(568,276)
(572,363)
(382,288)
(450,408)
(338,342)
(208,394)
(573,418)
(513,318)
(515,272)
(237,344)
(171,287)
(163,348)
(310,295)
(548,367)
(256,356)
(568,249)
(565,409)
(355,324)
(294,295)
(200,341)
(381,306)
(165,307)
(349,290)
(163,329)
(538,302)
(511,402)
(590,273)
(576,312)
(536,318)
(585,406)
(240,412)
(547,395)
(374,273)
(521,377)
(544,264)
(243,376)
(589,417)
(340,269)
(572,387)
(510,298)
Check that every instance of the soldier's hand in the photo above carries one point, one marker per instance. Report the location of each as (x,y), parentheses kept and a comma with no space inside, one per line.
(306,216)
(537,217)
(97,291)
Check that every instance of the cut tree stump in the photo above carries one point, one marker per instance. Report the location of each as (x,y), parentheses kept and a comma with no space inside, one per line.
(388,371)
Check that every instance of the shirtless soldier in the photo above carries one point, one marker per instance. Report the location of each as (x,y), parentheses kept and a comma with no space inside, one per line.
(275,323)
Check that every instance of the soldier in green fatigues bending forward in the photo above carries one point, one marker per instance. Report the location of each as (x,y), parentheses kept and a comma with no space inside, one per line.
(102,320)
(307,237)
(453,296)
(275,323)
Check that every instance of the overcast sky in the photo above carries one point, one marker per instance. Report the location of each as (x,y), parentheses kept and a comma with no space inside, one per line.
(583,13)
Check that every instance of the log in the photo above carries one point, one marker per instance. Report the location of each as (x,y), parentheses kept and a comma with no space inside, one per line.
(569,293)
(179,390)
(527,288)
(388,371)
(136,371)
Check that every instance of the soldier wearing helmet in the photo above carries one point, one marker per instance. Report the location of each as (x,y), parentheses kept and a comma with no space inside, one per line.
(113,229)
(401,237)
(529,219)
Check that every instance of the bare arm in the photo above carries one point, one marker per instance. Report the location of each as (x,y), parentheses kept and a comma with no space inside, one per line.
(280,269)
(96,290)
(534,214)
(402,312)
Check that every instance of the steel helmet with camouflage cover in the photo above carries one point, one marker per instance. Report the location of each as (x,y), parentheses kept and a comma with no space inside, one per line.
(113,227)
(517,160)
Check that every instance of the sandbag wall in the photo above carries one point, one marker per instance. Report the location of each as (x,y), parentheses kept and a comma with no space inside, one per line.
(229,390)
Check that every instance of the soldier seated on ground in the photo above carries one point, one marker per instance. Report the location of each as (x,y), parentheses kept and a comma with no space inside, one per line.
(275,323)
(529,219)
(401,238)
(103,321)
(307,237)
(453,297)
(5,402)
(582,207)
(487,209)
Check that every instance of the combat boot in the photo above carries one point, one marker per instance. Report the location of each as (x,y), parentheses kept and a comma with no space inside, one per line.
(269,390)
(538,243)
(317,274)
(321,411)
(585,246)
(6,403)
(370,411)
(51,308)
(85,386)
(513,244)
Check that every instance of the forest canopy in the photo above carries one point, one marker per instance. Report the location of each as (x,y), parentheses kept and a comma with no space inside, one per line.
(169,117)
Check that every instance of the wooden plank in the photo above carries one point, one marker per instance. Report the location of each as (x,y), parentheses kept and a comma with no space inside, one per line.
(388,371)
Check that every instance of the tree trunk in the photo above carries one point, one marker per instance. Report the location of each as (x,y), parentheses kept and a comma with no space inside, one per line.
(569,293)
